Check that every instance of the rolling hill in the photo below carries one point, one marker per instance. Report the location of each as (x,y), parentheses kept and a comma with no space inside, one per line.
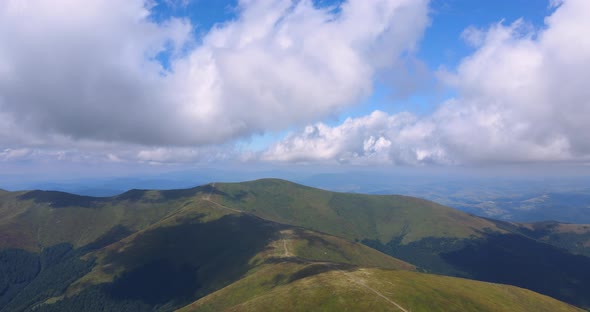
(436,238)
(229,246)
(371,290)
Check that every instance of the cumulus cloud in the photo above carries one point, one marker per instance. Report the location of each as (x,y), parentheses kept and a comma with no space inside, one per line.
(378,138)
(522,97)
(74,71)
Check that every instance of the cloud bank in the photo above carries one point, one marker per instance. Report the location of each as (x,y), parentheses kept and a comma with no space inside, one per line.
(523,96)
(91,71)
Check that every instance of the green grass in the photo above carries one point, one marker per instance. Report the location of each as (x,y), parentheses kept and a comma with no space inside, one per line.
(270,289)
(288,249)
(217,247)
(352,216)
(45,219)
(321,247)
(39,219)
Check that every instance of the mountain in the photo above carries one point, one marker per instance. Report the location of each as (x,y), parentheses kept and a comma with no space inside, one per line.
(371,290)
(573,237)
(165,260)
(517,198)
(247,246)
(436,238)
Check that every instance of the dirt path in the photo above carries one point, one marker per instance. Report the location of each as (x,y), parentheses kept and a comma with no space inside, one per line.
(287,252)
(222,206)
(208,198)
(358,282)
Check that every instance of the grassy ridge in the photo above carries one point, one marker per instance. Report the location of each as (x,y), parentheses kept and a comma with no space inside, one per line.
(573,237)
(164,249)
(202,248)
(316,246)
(436,238)
(277,287)
(353,216)
(38,219)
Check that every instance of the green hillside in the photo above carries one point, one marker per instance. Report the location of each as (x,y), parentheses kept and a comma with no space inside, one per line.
(353,216)
(287,287)
(161,250)
(38,219)
(573,237)
(436,238)
(198,249)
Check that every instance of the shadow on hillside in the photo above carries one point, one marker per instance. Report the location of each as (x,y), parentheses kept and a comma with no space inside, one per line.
(29,278)
(169,195)
(60,199)
(517,260)
(175,263)
(115,234)
(501,258)
(169,267)
(319,268)
(165,195)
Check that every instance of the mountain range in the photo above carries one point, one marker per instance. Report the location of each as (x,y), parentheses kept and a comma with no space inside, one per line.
(271,244)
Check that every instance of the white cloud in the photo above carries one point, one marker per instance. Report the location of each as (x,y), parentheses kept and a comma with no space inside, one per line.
(73,71)
(15,154)
(523,92)
(523,96)
(161,155)
(378,138)
(473,36)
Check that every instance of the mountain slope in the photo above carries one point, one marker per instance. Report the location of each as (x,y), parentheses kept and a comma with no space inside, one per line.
(436,238)
(60,250)
(335,289)
(38,219)
(353,216)
(198,249)
(572,237)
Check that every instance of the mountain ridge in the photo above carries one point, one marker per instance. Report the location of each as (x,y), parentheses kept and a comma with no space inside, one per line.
(99,230)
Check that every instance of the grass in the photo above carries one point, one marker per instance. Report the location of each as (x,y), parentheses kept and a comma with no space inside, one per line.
(289,248)
(352,216)
(183,244)
(269,289)
(321,247)
(39,219)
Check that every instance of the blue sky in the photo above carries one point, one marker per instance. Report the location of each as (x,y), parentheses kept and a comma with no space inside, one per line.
(441,44)
(115,87)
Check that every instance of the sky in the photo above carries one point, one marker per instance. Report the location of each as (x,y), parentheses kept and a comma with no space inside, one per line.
(109,87)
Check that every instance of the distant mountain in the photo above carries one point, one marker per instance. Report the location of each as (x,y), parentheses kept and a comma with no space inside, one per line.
(521,199)
(270,244)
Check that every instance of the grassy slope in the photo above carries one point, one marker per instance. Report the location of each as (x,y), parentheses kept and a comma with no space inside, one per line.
(283,287)
(38,219)
(46,219)
(242,243)
(435,238)
(572,237)
(281,240)
(383,218)
(353,216)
